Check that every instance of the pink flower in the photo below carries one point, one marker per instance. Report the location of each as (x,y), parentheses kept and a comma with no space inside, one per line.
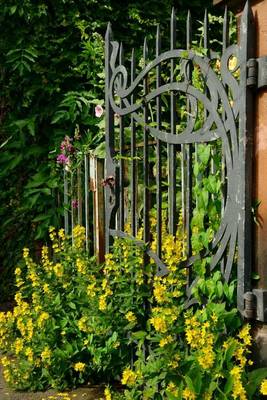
(66,145)
(62,159)
(74,203)
(99,111)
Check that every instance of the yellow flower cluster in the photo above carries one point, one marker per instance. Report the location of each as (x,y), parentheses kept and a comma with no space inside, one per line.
(200,337)
(159,323)
(81,266)
(173,389)
(128,377)
(263,388)
(82,324)
(188,394)
(130,317)
(79,367)
(107,394)
(79,236)
(46,354)
(238,391)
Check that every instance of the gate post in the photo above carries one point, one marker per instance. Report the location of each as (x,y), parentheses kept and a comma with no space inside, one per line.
(259,165)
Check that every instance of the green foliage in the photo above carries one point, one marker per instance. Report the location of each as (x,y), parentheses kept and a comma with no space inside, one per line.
(51,69)
(75,322)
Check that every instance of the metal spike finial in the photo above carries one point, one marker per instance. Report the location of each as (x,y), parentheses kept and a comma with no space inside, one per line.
(158,40)
(173,28)
(225,29)
(188,30)
(247,14)
(133,54)
(206,29)
(121,53)
(145,49)
(108,35)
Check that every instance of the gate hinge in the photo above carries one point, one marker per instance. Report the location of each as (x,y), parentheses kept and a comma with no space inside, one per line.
(257,72)
(256,305)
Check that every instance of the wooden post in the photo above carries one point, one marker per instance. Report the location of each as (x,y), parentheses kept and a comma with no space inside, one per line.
(96,186)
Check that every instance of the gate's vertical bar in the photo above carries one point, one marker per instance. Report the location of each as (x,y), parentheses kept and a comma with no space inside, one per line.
(71,206)
(189,150)
(224,183)
(146,186)
(121,153)
(92,175)
(66,202)
(86,200)
(158,151)
(99,210)
(171,147)
(109,122)
(133,157)
(79,196)
(247,46)
(145,156)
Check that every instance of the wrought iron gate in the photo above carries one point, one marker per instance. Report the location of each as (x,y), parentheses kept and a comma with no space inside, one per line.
(158,117)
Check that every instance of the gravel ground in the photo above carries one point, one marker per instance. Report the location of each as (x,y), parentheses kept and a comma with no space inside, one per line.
(92,393)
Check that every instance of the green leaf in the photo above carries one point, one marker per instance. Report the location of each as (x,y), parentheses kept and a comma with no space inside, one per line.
(254,379)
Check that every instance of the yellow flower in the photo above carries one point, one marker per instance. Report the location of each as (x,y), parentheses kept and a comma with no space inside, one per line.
(59,270)
(26,253)
(18,271)
(82,324)
(130,317)
(206,357)
(263,388)
(159,292)
(159,324)
(43,317)
(79,236)
(128,377)
(61,234)
(188,394)
(29,354)
(81,266)
(18,345)
(107,394)
(46,288)
(102,303)
(244,335)
(79,367)
(164,341)
(46,354)
(172,388)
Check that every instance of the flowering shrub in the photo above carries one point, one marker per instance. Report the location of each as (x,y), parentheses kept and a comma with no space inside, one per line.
(76,322)
(55,335)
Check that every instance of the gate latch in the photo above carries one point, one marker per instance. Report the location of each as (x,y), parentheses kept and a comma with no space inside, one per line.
(256,305)
(257,72)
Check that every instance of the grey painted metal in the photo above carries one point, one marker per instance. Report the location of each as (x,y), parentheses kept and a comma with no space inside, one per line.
(188,157)
(121,161)
(145,154)
(172,165)
(247,48)
(134,189)
(134,97)
(158,152)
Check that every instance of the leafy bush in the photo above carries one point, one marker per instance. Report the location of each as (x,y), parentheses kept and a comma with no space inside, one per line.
(76,322)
